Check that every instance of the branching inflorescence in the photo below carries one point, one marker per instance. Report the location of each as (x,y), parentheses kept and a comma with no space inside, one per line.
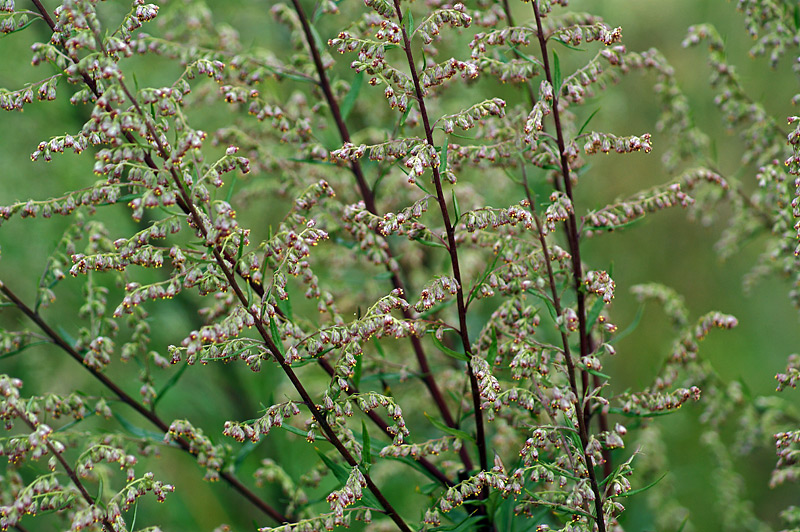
(460,343)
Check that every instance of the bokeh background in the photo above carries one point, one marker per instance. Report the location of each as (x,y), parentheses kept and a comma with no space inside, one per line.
(667,247)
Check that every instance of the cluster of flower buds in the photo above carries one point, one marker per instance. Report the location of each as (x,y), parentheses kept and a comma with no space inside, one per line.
(439,73)
(324,522)
(422,156)
(686,347)
(137,488)
(137,293)
(98,355)
(526,399)
(600,283)
(559,210)
(514,36)
(787,447)
(230,327)
(466,118)
(105,453)
(514,319)
(456,495)
(401,222)
(508,71)
(436,291)
(371,400)
(605,142)
(348,495)
(792,374)
(626,212)
(426,448)
(480,219)
(579,85)
(273,417)
(44,494)
(101,194)
(383,7)
(488,385)
(210,456)
(212,69)
(455,16)
(613,438)
(158,229)
(575,35)
(477,154)
(562,399)
(15,100)
(535,121)
(568,320)
(145,256)
(527,362)
(643,403)
(541,440)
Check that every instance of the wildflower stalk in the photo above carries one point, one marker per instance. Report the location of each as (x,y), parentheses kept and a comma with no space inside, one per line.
(141,409)
(67,468)
(577,273)
(452,249)
(369,201)
(185,203)
(225,267)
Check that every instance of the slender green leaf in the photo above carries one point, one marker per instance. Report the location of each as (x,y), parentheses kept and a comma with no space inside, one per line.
(408,22)
(547,302)
(556,73)
(276,337)
(294,430)
(449,352)
(285,306)
(456,208)
(466,524)
(630,328)
(430,243)
(366,453)
(460,434)
(597,373)
(594,313)
(139,432)
(569,46)
(586,123)
(135,514)
(640,490)
(339,471)
(248,447)
(169,384)
(352,95)
(21,348)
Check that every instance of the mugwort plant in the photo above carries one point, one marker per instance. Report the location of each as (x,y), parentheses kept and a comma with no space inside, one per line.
(372,207)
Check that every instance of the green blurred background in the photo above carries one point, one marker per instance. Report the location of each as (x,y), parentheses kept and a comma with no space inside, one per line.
(666,248)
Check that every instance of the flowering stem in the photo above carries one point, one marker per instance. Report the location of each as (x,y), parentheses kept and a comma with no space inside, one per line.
(369,202)
(452,248)
(225,267)
(150,415)
(69,470)
(574,245)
